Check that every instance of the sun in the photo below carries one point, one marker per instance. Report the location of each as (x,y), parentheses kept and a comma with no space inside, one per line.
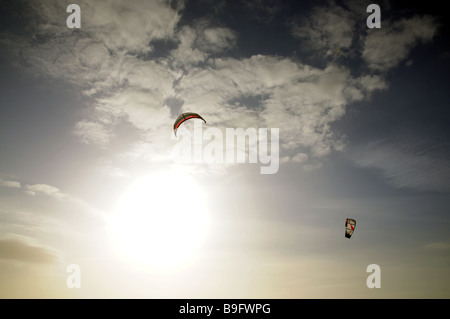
(160,220)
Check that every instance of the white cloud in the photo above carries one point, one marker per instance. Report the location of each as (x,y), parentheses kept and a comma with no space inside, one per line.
(109,57)
(93,133)
(371,83)
(329,31)
(91,56)
(217,39)
(198,43)
(362,87)
(121,27)
(300,158)
(386,47)
(44,189)
(9,183)
(301,100)
(186,54)
(325,30)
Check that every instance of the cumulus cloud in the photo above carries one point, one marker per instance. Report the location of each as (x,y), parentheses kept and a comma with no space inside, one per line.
(199,42)
(9,183)
(362,87)
(91,56)
(331,30)
(93,133)
(325,30)
(217,39)
(44,189)
(186,54)
(385,48)
(110,59)
(106,58)
(300,99)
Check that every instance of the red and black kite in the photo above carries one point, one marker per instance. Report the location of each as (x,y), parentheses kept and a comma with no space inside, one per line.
(184,117)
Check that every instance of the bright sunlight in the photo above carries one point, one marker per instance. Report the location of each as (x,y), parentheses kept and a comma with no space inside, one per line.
(160,220)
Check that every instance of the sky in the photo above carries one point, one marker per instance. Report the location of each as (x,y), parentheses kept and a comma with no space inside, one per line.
(91,176)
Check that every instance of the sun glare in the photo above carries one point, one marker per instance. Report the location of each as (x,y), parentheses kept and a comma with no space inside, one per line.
(160,220)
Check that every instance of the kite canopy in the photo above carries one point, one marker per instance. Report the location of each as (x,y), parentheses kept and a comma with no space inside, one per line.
(184,117)
(350,225)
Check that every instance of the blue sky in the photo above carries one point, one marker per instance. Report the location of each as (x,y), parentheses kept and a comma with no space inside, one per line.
(88,113)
